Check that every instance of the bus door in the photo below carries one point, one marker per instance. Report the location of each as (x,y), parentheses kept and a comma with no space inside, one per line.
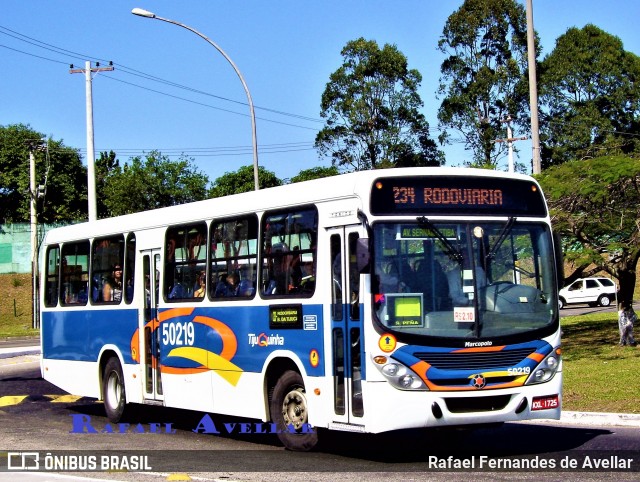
(346,326)
(151,332)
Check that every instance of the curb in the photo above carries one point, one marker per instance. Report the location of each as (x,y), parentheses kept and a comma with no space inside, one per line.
(19,351)
(20,338)
(600,419)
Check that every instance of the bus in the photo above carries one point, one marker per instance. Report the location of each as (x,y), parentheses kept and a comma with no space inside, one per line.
(365,302)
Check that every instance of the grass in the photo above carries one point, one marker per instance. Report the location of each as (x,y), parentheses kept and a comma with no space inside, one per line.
(599,375)
(15,305)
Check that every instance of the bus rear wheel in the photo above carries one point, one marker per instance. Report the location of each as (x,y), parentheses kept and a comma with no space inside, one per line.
(290,412)
(113,392)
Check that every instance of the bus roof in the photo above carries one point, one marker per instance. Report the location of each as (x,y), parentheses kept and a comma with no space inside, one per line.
(355,184)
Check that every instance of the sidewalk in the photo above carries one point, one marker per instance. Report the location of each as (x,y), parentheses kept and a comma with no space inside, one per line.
(19,351)
(568,417)
(26,346)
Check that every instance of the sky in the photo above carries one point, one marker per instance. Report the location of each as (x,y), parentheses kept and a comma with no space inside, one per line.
(171,91)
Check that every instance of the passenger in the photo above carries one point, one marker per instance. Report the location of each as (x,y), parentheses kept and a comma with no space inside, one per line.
(279,275)
(431,280)
(233,280)
(295,269)
(390,278)
(456,282)
(229,286)
(112,288)
(202,289)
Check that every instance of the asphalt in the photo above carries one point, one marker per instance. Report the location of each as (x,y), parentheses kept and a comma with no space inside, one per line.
(31,346)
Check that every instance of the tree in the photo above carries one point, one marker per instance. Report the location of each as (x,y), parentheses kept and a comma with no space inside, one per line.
(242,181)
(595,205)
(151,183)
(105,166)
(590,93)
(371,108)
(484,77)
(58,168)
(315,173)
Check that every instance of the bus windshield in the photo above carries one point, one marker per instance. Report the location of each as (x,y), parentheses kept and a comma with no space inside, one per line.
(464,280)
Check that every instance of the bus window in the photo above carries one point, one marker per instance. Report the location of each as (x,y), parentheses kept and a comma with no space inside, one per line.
(234,248)
(336,277)
(107,262)
(129,268)
(52,276)
(75,273)
(289,241)
(185,261)
(354,278)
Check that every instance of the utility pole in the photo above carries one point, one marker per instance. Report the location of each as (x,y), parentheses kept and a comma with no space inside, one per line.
(33,197)
(91,158)
(510,140)
(533,91)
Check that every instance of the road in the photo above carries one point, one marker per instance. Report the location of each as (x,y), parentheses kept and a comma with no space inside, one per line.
(584,309)
(48,422)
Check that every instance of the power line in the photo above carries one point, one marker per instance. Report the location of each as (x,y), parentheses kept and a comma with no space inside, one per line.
(42,45)
(33,55)
(205,151)
(131,71)
(207,105)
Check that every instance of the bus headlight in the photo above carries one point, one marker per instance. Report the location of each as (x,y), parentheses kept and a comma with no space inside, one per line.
(546,370)
(390,369)
(401,377)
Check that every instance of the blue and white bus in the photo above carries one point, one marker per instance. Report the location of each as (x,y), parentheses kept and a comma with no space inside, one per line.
(368,302)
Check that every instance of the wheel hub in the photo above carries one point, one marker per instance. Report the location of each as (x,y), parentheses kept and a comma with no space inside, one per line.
(294,409)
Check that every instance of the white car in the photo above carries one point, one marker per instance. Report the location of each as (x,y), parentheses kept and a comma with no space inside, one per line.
(594,291)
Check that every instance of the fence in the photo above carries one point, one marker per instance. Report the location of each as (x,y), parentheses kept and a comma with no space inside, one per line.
(15,246)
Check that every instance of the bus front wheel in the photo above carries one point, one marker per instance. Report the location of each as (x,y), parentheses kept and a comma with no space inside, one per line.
(290,412)
(113,392)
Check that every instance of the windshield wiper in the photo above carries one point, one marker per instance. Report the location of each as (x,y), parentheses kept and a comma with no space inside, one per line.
(506,229)
(450,250)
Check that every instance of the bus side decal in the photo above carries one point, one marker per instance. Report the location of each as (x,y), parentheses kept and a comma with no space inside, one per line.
(211,361)
(187,340)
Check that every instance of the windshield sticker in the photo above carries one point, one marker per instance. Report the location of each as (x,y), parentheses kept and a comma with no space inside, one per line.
(464,315)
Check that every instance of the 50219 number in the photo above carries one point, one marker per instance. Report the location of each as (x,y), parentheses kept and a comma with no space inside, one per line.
(178,334)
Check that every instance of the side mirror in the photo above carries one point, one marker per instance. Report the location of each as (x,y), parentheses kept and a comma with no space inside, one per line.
(363,257)
(557,248)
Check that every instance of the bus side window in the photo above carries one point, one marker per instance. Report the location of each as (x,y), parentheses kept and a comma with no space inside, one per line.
(75,273)
(52,276)
(234,253)
(129,267)
(289,242)
(185,261)
(107,262)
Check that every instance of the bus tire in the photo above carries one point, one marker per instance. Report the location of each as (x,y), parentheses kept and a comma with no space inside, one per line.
(113,392)
(289,411)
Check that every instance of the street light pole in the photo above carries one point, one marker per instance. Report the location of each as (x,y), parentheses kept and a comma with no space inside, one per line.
(144,13)
(533,90)
(91,158)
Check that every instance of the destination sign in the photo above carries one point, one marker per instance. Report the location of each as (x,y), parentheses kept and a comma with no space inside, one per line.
(460,195)
(285,316)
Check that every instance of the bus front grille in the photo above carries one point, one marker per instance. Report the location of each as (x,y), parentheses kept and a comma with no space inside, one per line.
(467,360)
